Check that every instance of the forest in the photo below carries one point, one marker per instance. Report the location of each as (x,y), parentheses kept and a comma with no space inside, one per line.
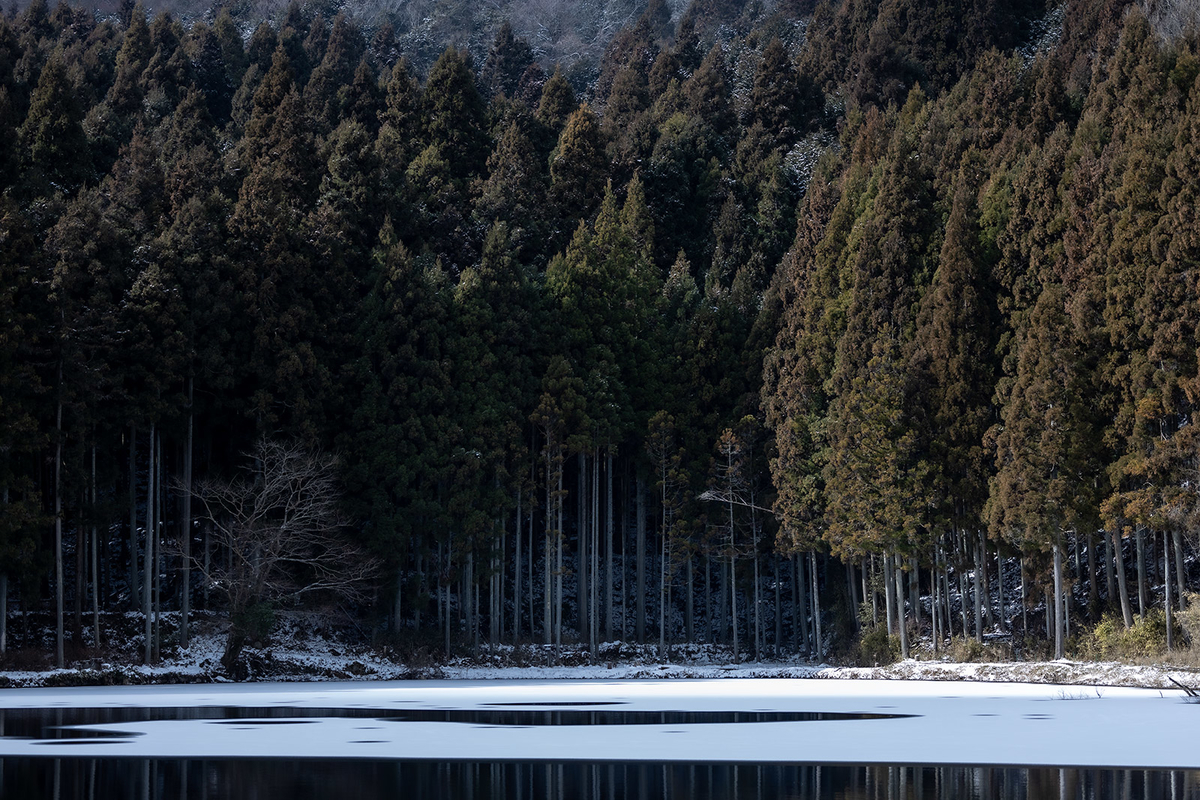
(792,326)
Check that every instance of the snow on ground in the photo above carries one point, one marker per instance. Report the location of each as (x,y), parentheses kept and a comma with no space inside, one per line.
(949,723)
(301,653)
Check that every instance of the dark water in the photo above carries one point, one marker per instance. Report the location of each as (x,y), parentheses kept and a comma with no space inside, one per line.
(254,779)
(53,724)
(141,779)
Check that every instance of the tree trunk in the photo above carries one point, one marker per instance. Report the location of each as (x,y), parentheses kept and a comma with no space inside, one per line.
(3,613)
(1000,588)
(81,547)
(185,526)
(1122,582)
(1167,588)
(1093,598)
(733,615)
(889,596)
(963,600)
(986,584)
(1024,602)
(160,524)
(914,593)
(935,603)
(689,602)
(398,602)
(1058,600)
(640,560)
(1109,572)
(898,572)
(1180,586)
(59,655)
(95,560)
(558,564)
(147,582)
(548,557)
(1139,542)
(134,587)
(517,598)
(816,606)
(778,607)
(594,582)
(976,588)
(608,547)
(757,612)
(582,538)
(800,607)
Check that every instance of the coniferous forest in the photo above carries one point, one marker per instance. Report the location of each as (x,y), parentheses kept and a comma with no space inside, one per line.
(787,326)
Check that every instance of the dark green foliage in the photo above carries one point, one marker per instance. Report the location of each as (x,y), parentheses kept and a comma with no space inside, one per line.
(53,150)
(506,64)
(932,285)
(454,114)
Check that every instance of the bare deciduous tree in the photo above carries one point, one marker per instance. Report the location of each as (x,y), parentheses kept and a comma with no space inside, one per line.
(279,529)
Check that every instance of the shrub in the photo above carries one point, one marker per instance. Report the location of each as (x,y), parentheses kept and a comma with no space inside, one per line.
(1109,639)
(1189,618)
(877,648)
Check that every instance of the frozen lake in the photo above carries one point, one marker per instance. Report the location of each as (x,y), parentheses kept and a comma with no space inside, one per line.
(699,738)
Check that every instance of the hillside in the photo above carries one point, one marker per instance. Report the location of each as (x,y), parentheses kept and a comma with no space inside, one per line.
(808,328)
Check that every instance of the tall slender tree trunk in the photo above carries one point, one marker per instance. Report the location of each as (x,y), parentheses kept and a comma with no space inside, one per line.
(3,613)
(81,549)
(517,598)
(1000,590)
(816,606)
(889,597)
(608,546)
(640,560)
(778,606)
(689,592)
(185,525)
(986,584)
(582,538)
(95,560)
(1058,600)
(558,563)
(59,655)
(134,586)
(594,582)
(800,605)
(1093,596)
(758,627)
(897,572)
(914,593)
(733,613)
(1167,588)
(663,558)
(148,582)
(977,588)
(1177,539)
(935,604)
(1024,601)
(1122,581)
(548,556)
(1109,572)
(160,523)
(1139,542)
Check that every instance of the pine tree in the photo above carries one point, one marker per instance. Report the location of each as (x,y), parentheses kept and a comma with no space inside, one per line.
(506,63)
(454,114)
(578,166)
(54,151)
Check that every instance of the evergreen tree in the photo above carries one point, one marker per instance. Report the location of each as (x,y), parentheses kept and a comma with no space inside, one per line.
(454,114)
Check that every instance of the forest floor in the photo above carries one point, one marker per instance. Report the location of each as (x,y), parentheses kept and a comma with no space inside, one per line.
(305,648)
